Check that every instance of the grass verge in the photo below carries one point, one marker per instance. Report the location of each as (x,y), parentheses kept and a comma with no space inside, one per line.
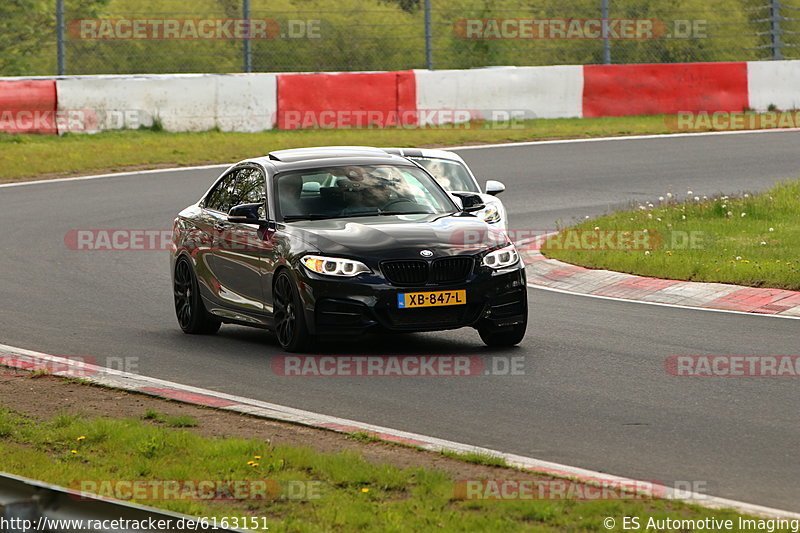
(42,156)
(747,239)
(370,486)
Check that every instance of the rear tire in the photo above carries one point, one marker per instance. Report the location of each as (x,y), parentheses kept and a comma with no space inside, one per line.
(290,321)
(193,317)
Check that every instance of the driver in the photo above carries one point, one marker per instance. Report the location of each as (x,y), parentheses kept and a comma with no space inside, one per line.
(366,190)
(289,189)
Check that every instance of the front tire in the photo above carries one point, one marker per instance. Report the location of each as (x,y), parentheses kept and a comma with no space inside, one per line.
(290,323)
(503,338)
(192,315)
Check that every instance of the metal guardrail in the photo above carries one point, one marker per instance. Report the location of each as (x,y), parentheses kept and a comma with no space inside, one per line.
(30,505)
(78,37)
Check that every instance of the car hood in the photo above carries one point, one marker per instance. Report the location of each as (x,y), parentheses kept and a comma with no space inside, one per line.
(397,235)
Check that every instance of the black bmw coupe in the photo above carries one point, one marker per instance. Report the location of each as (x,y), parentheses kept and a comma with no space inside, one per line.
(320,242)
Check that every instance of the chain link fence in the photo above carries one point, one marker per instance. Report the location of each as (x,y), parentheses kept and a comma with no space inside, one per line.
(143,36)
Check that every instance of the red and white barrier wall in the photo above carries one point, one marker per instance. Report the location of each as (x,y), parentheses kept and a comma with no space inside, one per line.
(493,93)
(774,83)
(257,102)
(346,99)
(26,104)
(619,90)
(181,102)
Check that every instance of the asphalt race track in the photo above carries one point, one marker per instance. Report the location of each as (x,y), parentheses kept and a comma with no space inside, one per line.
(594,393)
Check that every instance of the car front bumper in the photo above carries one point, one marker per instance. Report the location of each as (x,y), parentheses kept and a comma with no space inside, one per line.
(369,303)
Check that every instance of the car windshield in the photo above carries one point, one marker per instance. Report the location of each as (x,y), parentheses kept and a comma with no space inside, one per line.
(452,175)
(361,190)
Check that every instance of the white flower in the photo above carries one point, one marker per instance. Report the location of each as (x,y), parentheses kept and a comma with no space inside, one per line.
(746,195)
(642,208)
(649,215)
(586,217)
(658,218)
(645,231)
(738,257)
(646,253)
(683,217)
(596,228)
(650,205)
(772,229)
(689,193)
(744,214)
(763,243)
(724,206)
(669,195)
(660,198)
(696,198)
(705,197)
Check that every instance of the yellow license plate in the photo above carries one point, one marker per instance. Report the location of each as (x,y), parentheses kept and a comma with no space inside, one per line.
(408,300)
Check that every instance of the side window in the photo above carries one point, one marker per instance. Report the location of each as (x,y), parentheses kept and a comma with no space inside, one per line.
(221,197)
(250,186)
(241,186)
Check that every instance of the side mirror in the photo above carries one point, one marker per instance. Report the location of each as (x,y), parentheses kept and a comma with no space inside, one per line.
(494,187)
(245,214)
(470,202)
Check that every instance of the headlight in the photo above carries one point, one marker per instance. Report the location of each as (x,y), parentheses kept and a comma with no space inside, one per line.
(334,266)
(491,214)
(502,258)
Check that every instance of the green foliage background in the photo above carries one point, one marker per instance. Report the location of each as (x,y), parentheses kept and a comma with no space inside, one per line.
(378,35)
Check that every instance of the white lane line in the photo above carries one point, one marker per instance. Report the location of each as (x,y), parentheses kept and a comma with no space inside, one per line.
(112,175)
(134,382)
(620,138)
(660,304)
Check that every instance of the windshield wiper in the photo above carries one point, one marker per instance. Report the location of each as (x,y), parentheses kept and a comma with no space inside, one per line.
(354,215)
(310,216)
(379,213)
(384,213)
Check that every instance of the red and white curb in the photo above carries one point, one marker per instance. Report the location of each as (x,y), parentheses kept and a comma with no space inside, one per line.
(59,366)
(551,274)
